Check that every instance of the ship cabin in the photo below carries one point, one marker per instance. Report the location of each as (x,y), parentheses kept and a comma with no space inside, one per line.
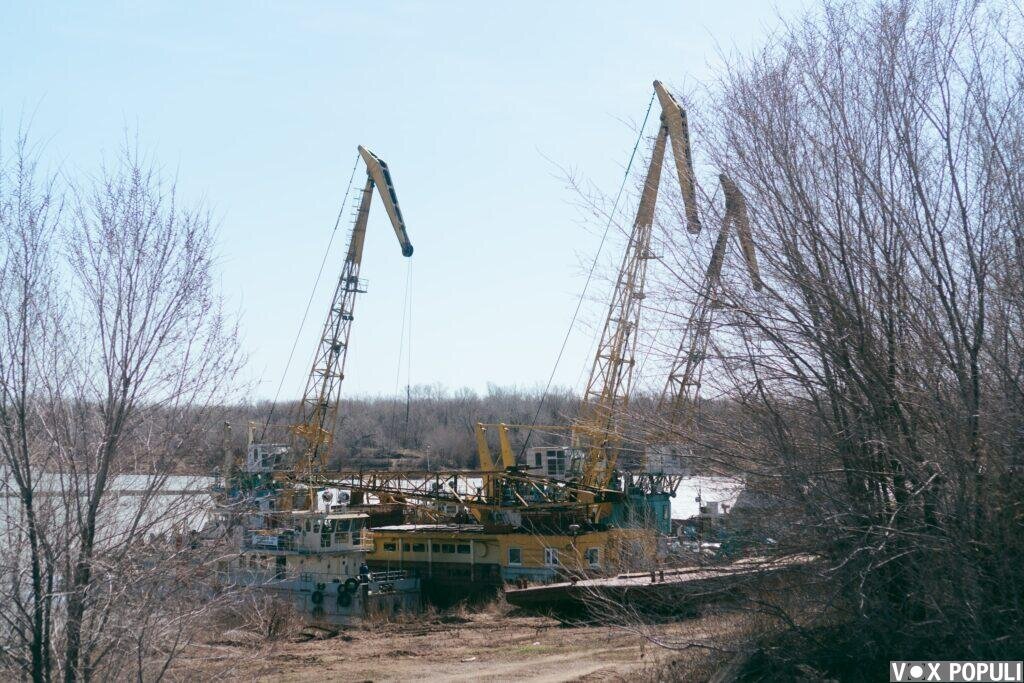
(317,560)
(460,560)
(265,458)
(555,462)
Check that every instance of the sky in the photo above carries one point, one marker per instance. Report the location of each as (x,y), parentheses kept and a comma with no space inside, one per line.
(481,110)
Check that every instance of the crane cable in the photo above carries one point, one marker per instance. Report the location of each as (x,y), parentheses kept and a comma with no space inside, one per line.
(312,294)
(590,275)
(404,344)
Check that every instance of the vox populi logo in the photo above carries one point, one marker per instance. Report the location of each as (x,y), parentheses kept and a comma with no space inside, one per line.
(1004,672)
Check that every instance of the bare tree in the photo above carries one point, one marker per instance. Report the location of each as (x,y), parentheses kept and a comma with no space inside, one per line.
(879,146)
(29,215)
(114,347)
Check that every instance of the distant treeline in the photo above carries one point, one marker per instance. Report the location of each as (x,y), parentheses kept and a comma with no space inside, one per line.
(431,428)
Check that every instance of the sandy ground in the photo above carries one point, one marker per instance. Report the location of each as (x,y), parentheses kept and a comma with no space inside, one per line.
(492,645)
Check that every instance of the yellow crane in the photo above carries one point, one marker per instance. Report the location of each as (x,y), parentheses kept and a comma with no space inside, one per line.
(596,434)
(597,431)
(318,409)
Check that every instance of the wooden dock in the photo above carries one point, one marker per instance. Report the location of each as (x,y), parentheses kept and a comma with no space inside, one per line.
(661,591)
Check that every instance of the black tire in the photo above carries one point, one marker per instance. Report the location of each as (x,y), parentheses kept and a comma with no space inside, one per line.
(351,585)
(344,599)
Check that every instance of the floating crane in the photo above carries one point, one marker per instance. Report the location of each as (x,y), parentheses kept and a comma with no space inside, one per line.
(597,431)
(596,434)
(318,410)
(319,405)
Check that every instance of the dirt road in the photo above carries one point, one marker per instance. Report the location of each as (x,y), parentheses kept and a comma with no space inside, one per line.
(487,646)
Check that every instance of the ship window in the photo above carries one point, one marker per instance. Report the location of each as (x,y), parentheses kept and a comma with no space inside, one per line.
(308,524)
(464,549)
(551,557)
(515,555)
(556,462)
(537,459)
(419,547)
(341,525)
(447,548)
(405,547)
(435,547)
(593,556)
(390,547)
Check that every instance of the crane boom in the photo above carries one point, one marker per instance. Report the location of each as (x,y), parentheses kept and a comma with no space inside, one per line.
(736,207)
(673,117)
(678,402)
(378,171)
(319,405)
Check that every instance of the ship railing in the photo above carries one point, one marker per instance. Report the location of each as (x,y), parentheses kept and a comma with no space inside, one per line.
(271,576)
(342,541)
(328,578)
(269,542)
(320,577)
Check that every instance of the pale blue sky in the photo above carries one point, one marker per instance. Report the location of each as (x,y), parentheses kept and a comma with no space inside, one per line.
(258,107)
